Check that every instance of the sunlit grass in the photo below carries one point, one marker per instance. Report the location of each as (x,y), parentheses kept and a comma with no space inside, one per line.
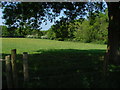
(32,45)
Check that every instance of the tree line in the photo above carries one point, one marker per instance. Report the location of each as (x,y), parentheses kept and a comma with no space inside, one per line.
(25,32)
(89,30)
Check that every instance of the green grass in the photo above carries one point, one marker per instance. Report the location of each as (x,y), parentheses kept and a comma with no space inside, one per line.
(59,64)
(33,45)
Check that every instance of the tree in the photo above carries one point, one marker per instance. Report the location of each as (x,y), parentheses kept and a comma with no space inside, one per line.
(50,33)
(113,48)
(38,11)
(4,31)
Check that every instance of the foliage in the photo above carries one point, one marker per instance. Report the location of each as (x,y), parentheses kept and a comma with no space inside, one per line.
(51,34)
(33,36)
(33,14)
(5,31)
(44,37)
(29,16)
(97,32)
(25,32)
(90,30)
(43,32)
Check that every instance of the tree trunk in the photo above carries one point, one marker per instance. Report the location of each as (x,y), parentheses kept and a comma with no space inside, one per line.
(113,56)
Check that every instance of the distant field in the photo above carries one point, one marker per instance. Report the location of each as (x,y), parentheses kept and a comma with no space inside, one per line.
(33,45)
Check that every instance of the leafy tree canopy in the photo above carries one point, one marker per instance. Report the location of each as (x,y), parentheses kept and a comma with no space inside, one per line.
(19,14)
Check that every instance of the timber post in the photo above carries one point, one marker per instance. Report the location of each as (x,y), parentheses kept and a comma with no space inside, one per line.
(8,72)
(25,66)
(14,69)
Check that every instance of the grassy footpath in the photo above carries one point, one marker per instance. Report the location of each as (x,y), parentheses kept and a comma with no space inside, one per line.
(58,64)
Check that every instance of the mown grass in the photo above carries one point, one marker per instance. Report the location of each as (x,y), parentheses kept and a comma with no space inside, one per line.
(56,64)
(32,45)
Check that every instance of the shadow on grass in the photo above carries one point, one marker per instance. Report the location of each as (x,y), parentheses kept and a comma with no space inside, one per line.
(63,68)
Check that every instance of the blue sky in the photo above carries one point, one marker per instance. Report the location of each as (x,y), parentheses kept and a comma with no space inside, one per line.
(1,20)
(44,27)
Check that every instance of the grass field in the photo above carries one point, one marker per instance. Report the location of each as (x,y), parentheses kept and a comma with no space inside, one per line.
(59,64)
(34,45)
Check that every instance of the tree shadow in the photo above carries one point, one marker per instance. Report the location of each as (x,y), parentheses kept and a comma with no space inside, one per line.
(63,68)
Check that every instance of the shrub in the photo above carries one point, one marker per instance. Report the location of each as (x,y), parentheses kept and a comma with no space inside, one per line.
(32,36)
(44,37)
(60,39)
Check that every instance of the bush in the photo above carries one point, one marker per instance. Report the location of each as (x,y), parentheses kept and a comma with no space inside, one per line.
(51,34)
(12,36)
(44,37)
(32,36)
(60,39)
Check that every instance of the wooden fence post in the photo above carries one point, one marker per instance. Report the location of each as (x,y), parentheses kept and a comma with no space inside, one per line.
(25,66)
(8,72)
(14,69)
